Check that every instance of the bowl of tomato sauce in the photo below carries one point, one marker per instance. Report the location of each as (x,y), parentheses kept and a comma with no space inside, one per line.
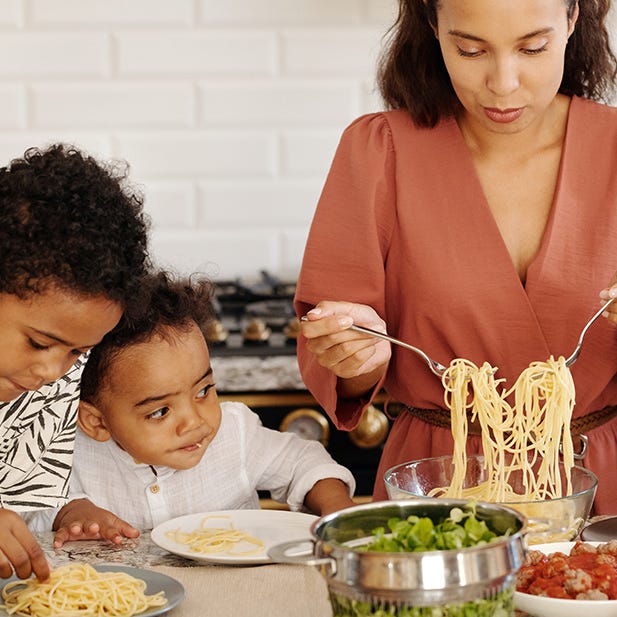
(568,579)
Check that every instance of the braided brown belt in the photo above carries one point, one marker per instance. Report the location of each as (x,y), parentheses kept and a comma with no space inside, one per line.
(578,426)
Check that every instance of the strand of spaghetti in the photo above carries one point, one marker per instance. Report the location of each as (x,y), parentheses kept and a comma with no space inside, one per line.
(78,589)
(521,439)
(216,539)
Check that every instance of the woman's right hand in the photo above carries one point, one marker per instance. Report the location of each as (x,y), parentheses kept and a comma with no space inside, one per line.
(19,550)
(349,354)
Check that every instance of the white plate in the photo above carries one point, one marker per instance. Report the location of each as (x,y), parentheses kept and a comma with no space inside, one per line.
(155,582)
(539,606)
(270,526)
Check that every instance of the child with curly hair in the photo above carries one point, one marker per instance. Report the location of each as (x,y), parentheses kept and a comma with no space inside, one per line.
(73,243)
(156,443)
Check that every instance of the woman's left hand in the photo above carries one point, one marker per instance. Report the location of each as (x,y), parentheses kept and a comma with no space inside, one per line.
(607,294)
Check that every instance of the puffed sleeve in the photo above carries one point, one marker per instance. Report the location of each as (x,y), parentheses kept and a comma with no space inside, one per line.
(347,246)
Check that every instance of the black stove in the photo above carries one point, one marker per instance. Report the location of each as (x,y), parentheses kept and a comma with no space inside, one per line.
(253,319)
(252,344)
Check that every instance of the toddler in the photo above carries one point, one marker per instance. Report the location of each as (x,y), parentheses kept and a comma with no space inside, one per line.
(155,443)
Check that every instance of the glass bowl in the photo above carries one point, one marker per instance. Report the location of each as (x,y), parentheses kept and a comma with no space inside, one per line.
(553,520)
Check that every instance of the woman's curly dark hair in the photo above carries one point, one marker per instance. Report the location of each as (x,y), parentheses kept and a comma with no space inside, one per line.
(412,74)
(68,220)
(167,303)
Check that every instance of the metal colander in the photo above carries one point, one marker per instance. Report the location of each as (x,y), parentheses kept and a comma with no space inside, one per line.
(483,575)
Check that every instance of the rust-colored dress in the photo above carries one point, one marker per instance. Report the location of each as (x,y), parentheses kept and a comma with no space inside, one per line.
(403,226)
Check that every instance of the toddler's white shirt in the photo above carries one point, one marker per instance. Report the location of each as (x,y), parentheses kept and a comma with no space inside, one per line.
(244,457)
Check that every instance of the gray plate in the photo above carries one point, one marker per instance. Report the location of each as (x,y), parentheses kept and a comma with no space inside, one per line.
(604,530)
(155,582)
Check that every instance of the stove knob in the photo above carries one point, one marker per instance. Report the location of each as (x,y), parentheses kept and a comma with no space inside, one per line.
(215,332)
(292,329)
(372,430)
(256,331)
(307,423)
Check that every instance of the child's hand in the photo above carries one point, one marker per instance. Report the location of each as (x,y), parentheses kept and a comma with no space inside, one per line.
(80,519)
(19,550)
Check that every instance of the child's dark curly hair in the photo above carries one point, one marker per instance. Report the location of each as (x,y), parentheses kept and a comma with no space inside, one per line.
(168,303)
(70,221)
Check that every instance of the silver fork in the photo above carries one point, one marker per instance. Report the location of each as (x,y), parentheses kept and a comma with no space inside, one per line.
(436,367)
(577,350)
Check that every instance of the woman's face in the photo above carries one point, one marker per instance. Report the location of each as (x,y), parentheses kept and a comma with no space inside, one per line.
(42,336)
(505,58)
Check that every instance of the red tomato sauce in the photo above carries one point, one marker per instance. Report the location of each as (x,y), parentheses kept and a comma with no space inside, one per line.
(589,572)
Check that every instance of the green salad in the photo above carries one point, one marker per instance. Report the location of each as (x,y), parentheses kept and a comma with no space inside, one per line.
(459,530)
(501,605)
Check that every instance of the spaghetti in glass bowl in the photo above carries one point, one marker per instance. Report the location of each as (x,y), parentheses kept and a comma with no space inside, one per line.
(557,519)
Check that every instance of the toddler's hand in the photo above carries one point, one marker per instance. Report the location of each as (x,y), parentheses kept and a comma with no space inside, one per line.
(80,519)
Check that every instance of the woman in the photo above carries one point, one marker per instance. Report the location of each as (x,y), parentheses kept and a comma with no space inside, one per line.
(72,257)
(476,219)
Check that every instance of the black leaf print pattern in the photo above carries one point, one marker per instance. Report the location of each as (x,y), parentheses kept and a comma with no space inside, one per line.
(37,434)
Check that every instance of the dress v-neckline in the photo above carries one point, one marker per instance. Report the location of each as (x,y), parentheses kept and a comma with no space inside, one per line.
(535,268)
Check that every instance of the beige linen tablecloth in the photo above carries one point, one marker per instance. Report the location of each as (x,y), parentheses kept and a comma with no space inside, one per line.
(259,591)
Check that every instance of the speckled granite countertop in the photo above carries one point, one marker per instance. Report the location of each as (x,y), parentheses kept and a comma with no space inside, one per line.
(139,553)
(259,374)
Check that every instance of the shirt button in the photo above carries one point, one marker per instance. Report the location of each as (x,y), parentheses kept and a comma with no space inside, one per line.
(155,488)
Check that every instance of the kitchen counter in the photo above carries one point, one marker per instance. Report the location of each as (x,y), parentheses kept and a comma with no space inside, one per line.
(272,590)
(256,374)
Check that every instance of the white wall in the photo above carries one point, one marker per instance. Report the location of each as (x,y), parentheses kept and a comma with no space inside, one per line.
(227,110)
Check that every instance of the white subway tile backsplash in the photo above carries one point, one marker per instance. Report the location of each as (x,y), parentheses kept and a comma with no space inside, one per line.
(370,99)
(277,103)
(113,105)
(306,153)
(97,13)
(190,54)
(170,205)
(60,54)
(348,52)
(228,111)
(292,250)
(279,203)
(381,11)
(325,12)
(219,254)
(13,106)
(184,154)
(11,13)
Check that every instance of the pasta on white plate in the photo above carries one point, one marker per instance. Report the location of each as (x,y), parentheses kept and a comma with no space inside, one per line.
(78,589)
(225,540)
(524,438)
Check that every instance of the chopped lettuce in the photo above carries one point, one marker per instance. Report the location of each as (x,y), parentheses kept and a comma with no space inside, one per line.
(459,530)
(501,605)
